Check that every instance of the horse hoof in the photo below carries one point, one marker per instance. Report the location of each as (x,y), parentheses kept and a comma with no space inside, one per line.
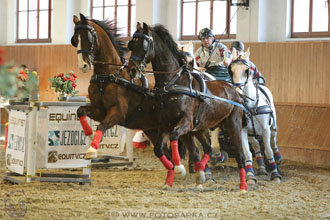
(91,153)
(200,177)
(276,177)
(277,180)
(251,179)
(180,170)
(166,187)
(199,186)
(262,171)
(243,191)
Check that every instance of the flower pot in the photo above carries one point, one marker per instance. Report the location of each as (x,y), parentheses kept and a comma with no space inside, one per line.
(62,97)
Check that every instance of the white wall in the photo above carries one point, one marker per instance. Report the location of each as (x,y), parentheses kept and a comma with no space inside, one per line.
(264,20)
(144,11)
(272,20)
(8,22)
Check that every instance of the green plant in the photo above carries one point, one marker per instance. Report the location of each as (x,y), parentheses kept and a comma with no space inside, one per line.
(64,83)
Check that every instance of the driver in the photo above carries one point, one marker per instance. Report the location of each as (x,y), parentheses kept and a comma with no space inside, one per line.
(213,56)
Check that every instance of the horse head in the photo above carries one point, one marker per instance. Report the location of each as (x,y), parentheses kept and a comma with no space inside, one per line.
(97,45)
(188,50)
(156,45)
(85,40)
(239,69)
(142,47)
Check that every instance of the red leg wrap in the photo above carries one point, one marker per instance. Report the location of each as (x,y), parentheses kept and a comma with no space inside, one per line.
(170,178)
(243,185)
(200,166)
(167,164)
(96,140)
(87,129)
(175,153)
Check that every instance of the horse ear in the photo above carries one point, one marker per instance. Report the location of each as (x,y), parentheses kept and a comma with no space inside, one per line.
(138,27)
(145,28)
(234,53)
(247,54)
(83,18)
(75,19)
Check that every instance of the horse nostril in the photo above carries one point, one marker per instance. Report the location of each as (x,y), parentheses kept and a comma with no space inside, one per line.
(85,66)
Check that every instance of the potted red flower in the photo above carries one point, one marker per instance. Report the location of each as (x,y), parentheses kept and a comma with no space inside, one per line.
(64,84)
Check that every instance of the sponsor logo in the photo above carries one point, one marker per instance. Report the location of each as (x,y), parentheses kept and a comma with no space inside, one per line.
(112,132)
(13,161)
(79,156)
(16,143)
(52,156)
(63,117)
(109,146)
(66,138)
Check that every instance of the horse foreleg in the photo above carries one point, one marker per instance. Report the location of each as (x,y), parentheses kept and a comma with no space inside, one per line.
(200,166)
(238,137)
(112,118)
(82,115)
(259,155)
(158,150)
(269,154)
(248,157)
(159,140)
(182,128)
(188,142)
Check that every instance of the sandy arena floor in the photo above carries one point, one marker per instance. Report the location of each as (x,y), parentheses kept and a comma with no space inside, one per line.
(122,193)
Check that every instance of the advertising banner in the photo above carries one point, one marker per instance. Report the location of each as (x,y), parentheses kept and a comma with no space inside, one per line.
(67,143)
(17,141)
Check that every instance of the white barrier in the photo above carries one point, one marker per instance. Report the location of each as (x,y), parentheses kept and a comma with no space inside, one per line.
(48,135)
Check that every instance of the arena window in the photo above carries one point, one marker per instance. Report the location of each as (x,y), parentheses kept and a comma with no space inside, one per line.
(33,21)
(215,14)
(111,9)
(310,18)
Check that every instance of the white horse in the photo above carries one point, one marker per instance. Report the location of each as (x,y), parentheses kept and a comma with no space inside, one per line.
(261,119)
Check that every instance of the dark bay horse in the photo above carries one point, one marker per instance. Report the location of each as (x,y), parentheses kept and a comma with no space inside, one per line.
(185,108)
(116,99)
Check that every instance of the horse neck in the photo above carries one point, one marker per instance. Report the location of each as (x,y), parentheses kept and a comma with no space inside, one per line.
(107,53)
(163,61)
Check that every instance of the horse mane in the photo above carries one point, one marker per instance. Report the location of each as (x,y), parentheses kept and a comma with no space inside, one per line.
(109,28)
(166,37)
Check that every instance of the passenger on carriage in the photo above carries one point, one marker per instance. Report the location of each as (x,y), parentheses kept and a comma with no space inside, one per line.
(213,56)
(257,76)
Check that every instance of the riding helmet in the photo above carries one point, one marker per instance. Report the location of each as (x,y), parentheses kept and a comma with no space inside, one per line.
(238,45)
(204,33)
